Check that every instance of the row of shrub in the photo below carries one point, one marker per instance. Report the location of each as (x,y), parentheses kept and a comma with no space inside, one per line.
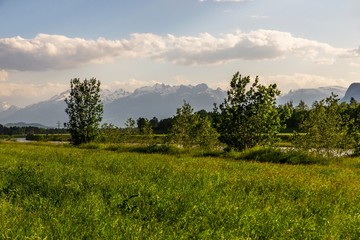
(257,154)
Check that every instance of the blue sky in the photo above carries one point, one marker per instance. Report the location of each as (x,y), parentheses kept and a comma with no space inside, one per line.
(129,44)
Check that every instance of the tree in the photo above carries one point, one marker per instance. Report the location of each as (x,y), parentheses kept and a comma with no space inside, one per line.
(325,130)
(110,134)
(181,128)
(130,126)
(85,109)
(191,129)
(248,116)
(143,125)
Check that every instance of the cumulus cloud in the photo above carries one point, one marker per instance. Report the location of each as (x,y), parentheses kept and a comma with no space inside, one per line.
(27,92)
(60,52)
(131,84)
(292,82)
(53,52)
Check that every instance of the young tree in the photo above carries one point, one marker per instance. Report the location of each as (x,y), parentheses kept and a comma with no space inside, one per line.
(325,129)
(85,109)
(143,125)
(181,128)
(110,134)
(191,129)
(248,116)
(129,130)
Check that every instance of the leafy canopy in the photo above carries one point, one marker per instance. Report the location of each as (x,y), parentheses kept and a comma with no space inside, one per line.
(248,116)
(85,109)
(191,129)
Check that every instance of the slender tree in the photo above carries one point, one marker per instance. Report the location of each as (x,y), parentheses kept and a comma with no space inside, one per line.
(325,130)
(248,116)
(85,109)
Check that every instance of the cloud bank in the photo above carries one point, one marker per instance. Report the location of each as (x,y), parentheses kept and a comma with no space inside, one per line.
(46,52)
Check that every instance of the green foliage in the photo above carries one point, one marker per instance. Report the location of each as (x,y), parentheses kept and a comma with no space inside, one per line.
(190,129)
(145,128)
(248,117)
(61,192)
(275,155)
(84,108)
(325,129)
(49,137)
(110,133)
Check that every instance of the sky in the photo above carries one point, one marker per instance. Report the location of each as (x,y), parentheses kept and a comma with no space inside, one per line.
(134,43)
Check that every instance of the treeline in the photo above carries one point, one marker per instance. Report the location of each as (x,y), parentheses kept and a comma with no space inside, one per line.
(28,130)
(251,118)
(248,117)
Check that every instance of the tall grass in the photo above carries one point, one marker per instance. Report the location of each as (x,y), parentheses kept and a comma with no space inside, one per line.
(57,192)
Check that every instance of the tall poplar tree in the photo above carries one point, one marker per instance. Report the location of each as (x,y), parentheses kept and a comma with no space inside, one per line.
(85,109)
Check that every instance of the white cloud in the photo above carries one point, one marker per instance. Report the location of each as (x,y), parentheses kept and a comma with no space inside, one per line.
(299,80)
(355,64)
(131,84)
(3,75)
(181,80)
(27,92)
(60,52)
(53,52)
(259,17)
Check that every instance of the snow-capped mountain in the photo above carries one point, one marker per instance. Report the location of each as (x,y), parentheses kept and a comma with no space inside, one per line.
(162,89)
(159,101)
(108,96)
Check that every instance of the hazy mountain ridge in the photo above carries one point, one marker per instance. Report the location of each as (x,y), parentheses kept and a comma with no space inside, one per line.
(159,101)
(352,92)
(310,95)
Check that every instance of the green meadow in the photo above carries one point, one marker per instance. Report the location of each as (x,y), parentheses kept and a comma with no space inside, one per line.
(62,192)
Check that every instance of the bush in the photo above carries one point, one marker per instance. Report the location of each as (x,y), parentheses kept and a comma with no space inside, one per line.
(157,148)
(274,155)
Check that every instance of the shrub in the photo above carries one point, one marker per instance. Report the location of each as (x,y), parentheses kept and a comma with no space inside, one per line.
(274,155)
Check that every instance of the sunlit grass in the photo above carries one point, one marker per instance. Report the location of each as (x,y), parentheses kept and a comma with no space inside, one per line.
(64,192)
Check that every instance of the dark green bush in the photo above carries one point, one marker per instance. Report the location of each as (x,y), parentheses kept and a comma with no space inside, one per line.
(156,148)
(274,155)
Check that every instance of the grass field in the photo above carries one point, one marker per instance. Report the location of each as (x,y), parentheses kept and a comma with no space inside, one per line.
(57,191)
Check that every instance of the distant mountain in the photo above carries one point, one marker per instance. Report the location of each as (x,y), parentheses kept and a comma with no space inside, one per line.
(5,106)
(22,124)
(352,92)
(7,109)
(310,95)
(159,101)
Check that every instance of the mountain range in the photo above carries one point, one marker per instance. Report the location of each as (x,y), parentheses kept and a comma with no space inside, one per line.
(160,101)
(310,95)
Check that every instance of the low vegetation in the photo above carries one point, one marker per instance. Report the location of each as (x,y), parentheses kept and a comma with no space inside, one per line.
(58,191)
(139,183)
